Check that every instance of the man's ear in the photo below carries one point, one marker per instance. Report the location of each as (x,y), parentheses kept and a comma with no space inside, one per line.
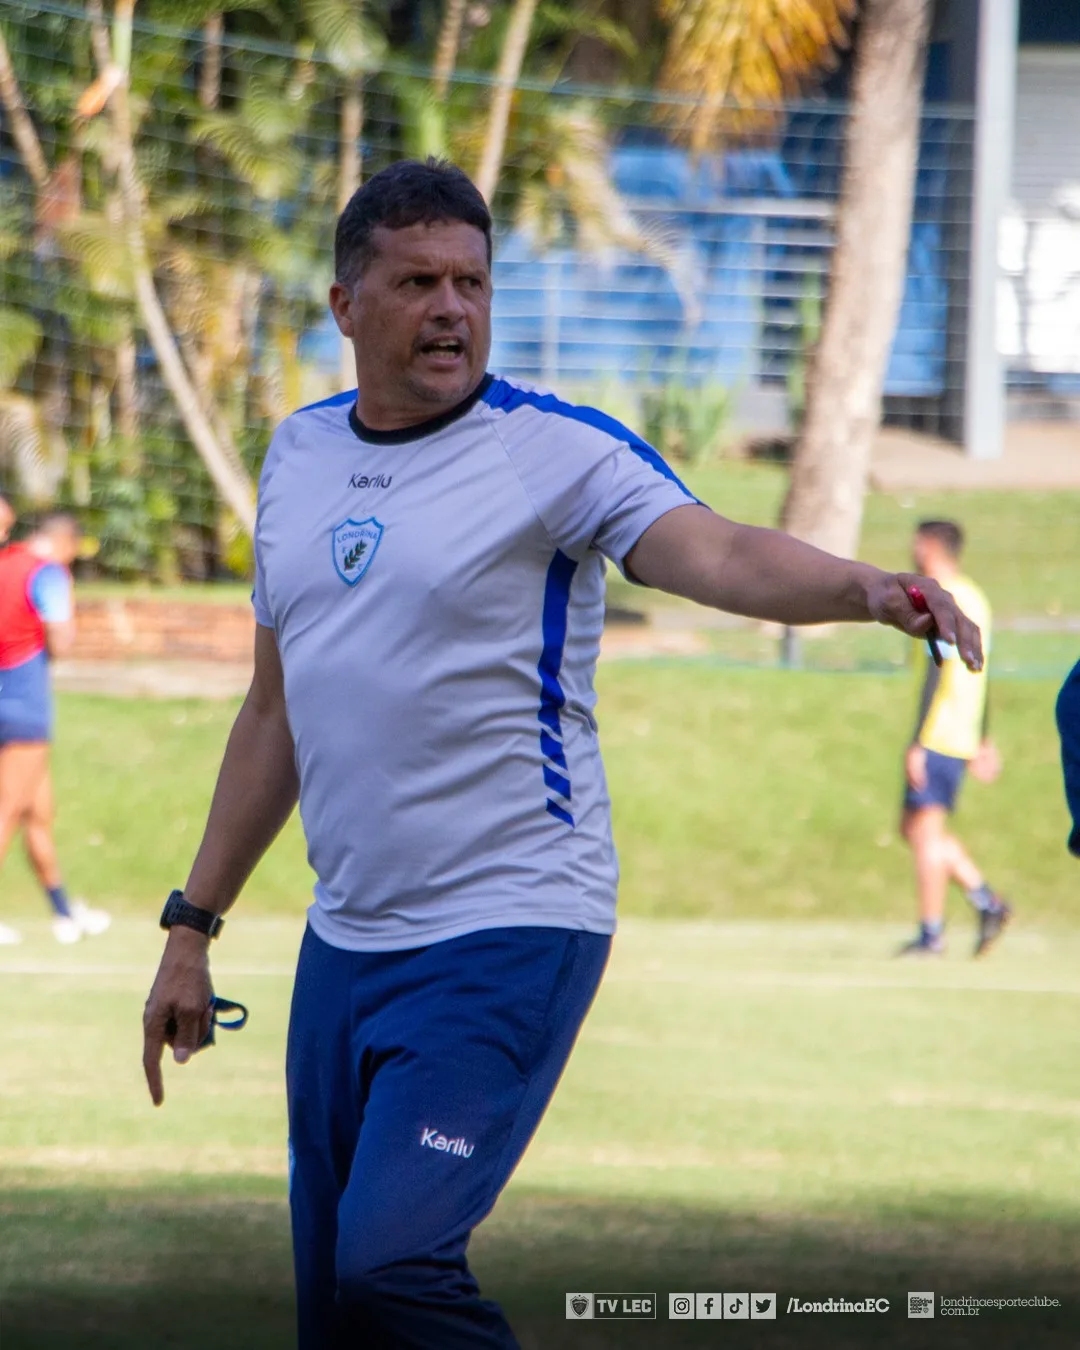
(341,306)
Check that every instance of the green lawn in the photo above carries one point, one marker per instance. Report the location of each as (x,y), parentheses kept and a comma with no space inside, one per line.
(753,1106)
(1021,545)
(737,793)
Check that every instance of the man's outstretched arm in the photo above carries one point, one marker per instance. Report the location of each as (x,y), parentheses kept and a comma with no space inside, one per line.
(766,574)
(256,791)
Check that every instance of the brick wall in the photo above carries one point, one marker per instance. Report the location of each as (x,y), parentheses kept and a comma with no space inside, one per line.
(110,630)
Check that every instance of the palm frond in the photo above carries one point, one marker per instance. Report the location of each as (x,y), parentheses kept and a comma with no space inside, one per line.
(20,341)
(346,36)
(10,244)
(274,114)
(270,170)
(194,13)
(577,166)
(95,243)
(553,20)
(740,59)
(578,182)
(35,453)
(424,120)
(176,206)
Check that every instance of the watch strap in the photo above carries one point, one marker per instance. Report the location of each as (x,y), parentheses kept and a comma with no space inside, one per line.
(178,911)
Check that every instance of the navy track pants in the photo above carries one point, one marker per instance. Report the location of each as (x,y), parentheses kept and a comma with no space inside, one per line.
(415,1081)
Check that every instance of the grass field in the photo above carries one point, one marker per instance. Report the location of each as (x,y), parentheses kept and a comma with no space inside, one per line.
(737,794)
(752,1107)
(763,1100)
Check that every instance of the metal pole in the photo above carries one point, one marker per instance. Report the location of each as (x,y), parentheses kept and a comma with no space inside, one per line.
(995,101)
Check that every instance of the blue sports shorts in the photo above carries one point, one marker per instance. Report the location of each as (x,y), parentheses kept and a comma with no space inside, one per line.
(944,775)
(26,708)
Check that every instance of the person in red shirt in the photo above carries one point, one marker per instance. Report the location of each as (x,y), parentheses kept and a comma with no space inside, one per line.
(36,625)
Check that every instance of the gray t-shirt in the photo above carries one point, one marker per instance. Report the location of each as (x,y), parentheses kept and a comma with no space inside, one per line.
(438,597)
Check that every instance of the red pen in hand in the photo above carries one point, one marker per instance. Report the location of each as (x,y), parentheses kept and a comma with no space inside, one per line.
(918,601)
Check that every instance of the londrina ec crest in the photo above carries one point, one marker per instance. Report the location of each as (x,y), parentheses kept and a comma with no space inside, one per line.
(354,544)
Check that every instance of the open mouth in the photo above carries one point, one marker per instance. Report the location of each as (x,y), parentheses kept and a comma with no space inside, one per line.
(443,348)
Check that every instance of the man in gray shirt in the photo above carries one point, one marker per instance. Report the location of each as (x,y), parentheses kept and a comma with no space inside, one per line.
(430,551)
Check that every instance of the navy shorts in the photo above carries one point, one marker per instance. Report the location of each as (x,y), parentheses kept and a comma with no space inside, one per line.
(944,775)
(26,711)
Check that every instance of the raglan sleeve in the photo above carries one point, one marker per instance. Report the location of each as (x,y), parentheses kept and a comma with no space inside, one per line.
(51,595)
(598,486)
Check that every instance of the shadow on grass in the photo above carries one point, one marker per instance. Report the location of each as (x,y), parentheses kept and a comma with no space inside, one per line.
(139,1269)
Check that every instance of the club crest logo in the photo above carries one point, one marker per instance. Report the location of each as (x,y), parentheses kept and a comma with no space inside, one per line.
(579,1306)
(354,544)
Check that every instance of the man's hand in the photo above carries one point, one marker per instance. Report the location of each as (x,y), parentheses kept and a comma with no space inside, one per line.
(178,1010)
(985,767)
(915,767)
(888,602)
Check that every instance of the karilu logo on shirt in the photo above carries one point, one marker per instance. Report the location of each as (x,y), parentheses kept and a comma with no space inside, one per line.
(431,1138)
(354,544)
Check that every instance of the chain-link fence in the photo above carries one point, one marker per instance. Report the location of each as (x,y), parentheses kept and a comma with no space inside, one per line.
(683,292)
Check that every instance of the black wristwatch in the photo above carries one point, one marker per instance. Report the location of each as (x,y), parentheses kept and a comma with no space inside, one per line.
(178,911)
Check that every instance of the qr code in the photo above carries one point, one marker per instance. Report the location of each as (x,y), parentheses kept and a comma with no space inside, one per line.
(920,1305)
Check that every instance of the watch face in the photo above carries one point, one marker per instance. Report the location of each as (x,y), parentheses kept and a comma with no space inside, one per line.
(178,911)
(174,907)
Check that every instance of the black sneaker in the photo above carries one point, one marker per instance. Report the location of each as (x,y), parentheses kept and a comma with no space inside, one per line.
(991,922)
(923,946)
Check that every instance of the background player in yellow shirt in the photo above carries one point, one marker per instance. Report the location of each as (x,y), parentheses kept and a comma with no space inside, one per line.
(951,735)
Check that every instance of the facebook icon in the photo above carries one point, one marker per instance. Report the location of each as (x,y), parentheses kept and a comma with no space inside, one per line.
(710,1307)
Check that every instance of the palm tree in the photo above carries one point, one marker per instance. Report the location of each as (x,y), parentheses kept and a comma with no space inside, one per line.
(354,47)
(208,434)
(828,482)
(511,59)
(719,53)
(738,60)
(447,45)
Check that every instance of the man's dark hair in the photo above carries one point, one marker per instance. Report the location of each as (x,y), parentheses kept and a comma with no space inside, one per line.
(403,194)
(948,534)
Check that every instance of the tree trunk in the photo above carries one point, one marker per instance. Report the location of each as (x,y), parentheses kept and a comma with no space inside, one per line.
(22,129)
(824,503)
(126,391)
(350,128)
(350,167)
(210,74)
(446,47)
(217,452)
(515,45)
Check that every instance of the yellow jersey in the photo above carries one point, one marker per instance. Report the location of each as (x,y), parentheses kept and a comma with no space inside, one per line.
(953,701)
